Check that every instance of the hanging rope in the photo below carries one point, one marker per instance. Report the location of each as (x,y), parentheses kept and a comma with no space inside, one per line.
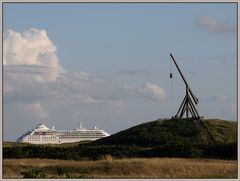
(171,72)
(171,90)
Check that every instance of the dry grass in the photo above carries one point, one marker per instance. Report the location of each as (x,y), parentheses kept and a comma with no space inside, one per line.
(125,168)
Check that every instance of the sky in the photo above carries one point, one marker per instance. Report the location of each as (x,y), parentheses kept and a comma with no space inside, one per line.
(108,64)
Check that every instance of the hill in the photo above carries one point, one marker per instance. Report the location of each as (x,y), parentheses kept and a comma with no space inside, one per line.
(173,131)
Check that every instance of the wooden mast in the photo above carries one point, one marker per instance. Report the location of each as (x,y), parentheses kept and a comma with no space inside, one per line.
(187,106)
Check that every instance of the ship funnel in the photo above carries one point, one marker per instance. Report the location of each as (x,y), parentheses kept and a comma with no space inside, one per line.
(80,125)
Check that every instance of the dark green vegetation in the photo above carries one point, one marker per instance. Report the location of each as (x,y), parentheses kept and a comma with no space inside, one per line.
(160,138)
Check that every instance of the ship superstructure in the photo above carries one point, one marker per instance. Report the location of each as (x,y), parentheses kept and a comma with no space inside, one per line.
(44,135)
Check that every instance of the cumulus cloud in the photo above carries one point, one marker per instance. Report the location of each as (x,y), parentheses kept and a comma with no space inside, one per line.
(30,63)
(213,25)
(149,90)
(32,73)
(28,50)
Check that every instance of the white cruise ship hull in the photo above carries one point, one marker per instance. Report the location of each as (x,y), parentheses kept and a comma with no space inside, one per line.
(43,135)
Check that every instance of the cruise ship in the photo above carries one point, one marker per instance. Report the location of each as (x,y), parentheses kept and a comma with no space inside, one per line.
(44,135)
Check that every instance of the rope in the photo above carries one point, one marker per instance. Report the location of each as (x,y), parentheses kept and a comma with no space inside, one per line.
(171,72)
(171,90)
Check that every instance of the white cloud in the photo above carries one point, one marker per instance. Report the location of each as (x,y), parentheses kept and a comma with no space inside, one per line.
(155,90)
(29,64)
(32,73)
(149,90)
(31,49)
(212,25)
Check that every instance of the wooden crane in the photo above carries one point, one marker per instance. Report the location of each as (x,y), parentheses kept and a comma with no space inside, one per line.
(187,106)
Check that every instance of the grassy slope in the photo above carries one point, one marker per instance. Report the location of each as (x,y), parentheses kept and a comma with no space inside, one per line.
(223,131)
(161,132)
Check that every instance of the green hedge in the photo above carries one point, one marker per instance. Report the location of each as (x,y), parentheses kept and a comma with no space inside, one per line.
(187,150)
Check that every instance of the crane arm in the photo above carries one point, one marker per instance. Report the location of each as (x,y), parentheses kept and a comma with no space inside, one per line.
(193,96)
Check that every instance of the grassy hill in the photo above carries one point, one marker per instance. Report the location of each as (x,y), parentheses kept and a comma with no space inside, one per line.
(172,131)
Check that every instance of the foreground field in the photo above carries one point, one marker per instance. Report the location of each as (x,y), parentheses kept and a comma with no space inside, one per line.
(120,168)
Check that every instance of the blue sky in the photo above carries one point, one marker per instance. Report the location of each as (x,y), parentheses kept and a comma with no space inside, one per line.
(113,63)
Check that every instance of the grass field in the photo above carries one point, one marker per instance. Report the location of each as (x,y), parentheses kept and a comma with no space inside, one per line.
(121,168)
